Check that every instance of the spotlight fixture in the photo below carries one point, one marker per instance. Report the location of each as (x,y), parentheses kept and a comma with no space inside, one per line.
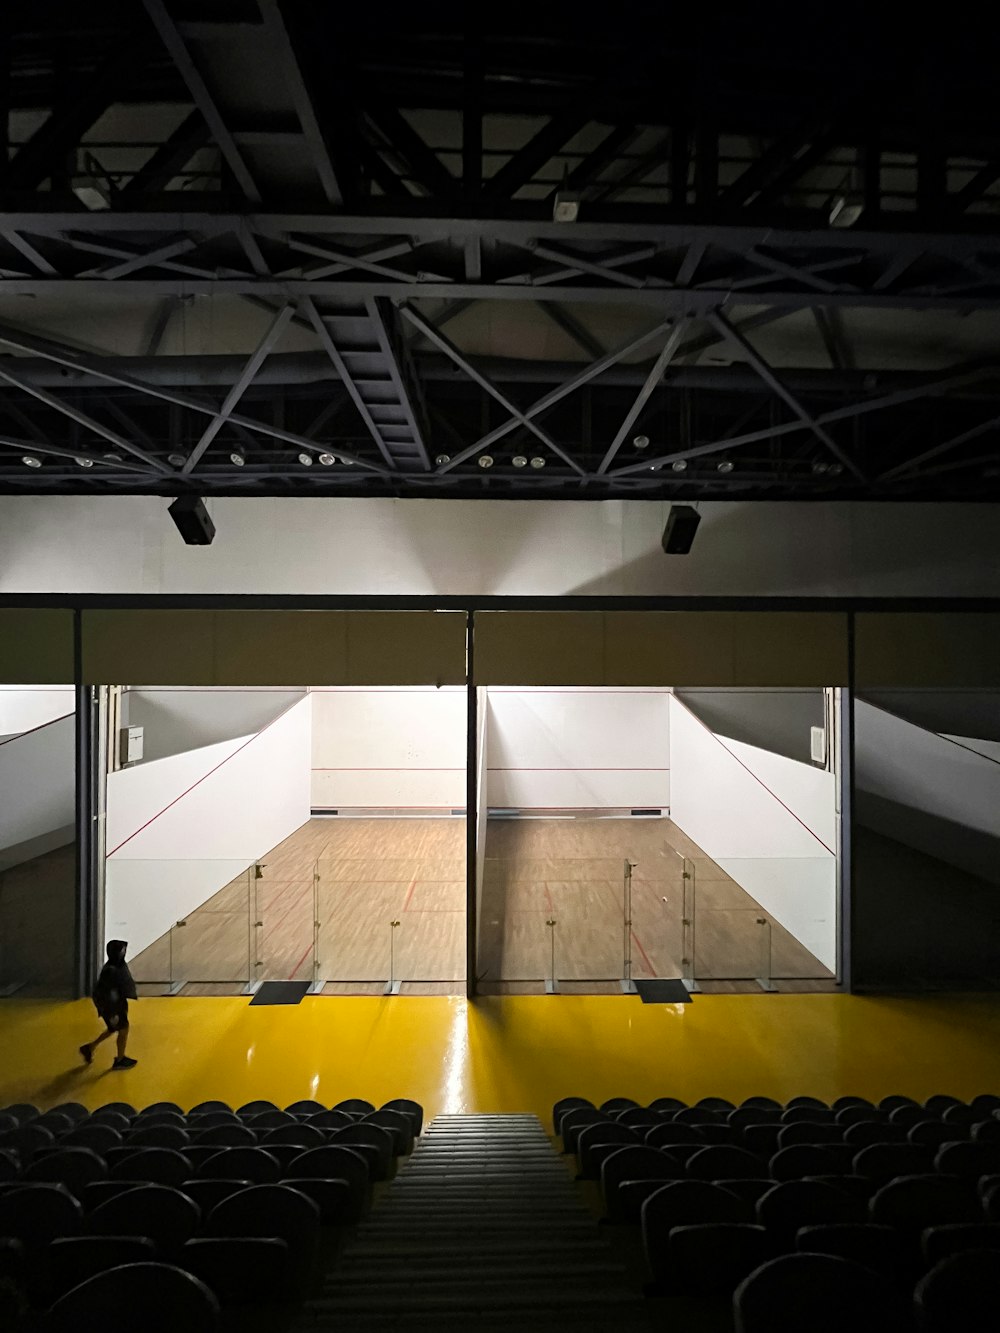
(679,465)
(327,460)
(566,204)
(441,459)
(85,462)
(538,461)
(31,460)
(725,465)
(175,460)
(305,459)
(682,524)
(519,460)
(238,456)
(835,469)
(485,460)
(845,211)
(117,458)
(641,442)
(192,520)
(820,467)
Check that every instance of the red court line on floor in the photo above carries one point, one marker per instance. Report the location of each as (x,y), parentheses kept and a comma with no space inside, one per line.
(645,955)
(409,893)
(548,898)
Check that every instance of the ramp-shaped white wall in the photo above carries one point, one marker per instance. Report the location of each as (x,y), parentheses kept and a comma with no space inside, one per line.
(178,718)
(37,791)
(927,791)
(741,823)
(391,748)
(25,707)
(181,828)
(578,748)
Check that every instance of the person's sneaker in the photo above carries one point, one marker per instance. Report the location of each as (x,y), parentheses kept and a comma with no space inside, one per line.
(87,1053)
(124,1062)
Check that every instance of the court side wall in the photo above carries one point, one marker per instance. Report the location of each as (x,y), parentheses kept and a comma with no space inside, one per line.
(181,828)
(38,786)
(578,748)
(177,718)
(392,748)
(764,845)
(127,544)
(24,707)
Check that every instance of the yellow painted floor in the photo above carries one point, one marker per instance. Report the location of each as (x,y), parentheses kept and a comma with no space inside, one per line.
(511,1053)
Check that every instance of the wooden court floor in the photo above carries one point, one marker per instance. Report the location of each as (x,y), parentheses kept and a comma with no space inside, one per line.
(356,877)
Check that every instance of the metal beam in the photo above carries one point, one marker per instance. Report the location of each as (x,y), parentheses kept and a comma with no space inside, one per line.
(741,343)
(71,455)
(571,326)
(202,98)
(642,397)
(82,419)
(377,315)
(912,465)
(254,362)
(425,166)
(530,158)
(65,356)
(170,159)
(438,338)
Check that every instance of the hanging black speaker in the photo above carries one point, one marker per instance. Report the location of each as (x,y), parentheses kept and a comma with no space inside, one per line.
(682,524)
(192,520)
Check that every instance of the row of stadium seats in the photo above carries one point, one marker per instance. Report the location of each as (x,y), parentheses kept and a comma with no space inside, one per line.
(236,1228)
(816,1236)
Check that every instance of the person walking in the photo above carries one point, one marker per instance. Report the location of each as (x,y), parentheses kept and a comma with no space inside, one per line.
(112,993)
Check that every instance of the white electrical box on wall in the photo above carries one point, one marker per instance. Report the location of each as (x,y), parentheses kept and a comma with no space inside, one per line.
(817,744)
(130,744)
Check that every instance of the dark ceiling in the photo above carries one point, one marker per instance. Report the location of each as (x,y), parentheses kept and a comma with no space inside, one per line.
(261,247)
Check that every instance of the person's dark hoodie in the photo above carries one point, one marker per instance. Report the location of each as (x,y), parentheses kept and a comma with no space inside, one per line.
(115,981)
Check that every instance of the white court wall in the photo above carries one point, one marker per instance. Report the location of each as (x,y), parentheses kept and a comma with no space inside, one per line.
(767,848)
(807,791)
(127,544)
(38,784)
(578,748)
(177,718)
(24,707)
(181,828)
(394,748)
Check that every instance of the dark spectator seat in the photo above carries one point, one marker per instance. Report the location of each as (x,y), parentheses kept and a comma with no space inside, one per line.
(165,1215)
(809,1131)
(158,1298)
(842,1103)
(305,1107)
(931,1133)
(73,1167)
(616,1104)
(715,1104)
(667,1105)
(805,1159)
(156,1166)
(574,1122)
(569,1104)
(819,1293)
(717,1163)
(76,1111)
(881,1248)
(409,1108)
(633,1162)
(99,1137)
(897,1102)
(959,1293)
(34,1214)
(207,1193)
(242,1270)
(883,1162)
(203,1108)
(855,1114)
(907,1115)
(605,1132)
(940,1103)
(354,1106)
(336,1163)
(815,1115)
(762,1139)
(255,1164)
(255,1108)
(939,1243)
(365,1136)
(913,1203)
(685,1203)
(744,1116)
(232,1135)
(968,1159)
(986,1131)
(802,1203)
(698,1115)
(710,1259)
(761,1103)
(750,1189)
(867,1132)
(272,1210)
(156,1107)
(397,1124)
(70,1260)
(671,1133)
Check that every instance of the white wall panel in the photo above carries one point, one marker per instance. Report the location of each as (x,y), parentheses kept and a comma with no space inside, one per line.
(583,748)
(180,828)
(24,707)
(741,825)
(38,783)
(126,544)
(389,747)
(807,791)
(178,718)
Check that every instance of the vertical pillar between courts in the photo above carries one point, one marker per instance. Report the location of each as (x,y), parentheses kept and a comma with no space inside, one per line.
(471,806)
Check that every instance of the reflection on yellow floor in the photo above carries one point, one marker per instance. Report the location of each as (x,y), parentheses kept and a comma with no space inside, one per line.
(512,1053)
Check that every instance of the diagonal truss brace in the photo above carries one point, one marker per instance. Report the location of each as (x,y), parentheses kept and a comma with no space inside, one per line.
(645,393)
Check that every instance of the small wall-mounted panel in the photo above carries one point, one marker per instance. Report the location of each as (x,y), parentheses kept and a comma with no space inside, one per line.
(36,646)
(927,649)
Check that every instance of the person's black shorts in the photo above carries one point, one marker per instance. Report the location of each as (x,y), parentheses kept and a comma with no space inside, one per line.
(116,1019)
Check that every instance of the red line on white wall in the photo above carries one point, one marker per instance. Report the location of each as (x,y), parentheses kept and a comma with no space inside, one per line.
(41,727)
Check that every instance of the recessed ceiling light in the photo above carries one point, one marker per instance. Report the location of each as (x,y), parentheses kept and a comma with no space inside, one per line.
(175,460)
(85,462)
(725,465)
(327,460)
(117,458)
(238,456)
(30,460)
(679,465)
(519,460)
(835,469)
(538,461)
(305,459)
(641,441)
(441,459)
(485,460)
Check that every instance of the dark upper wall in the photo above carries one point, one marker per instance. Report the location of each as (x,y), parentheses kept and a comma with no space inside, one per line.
(973,713)
(773,719)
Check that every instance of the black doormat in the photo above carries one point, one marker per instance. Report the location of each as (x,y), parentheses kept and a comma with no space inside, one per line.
(664,990)
(280,992)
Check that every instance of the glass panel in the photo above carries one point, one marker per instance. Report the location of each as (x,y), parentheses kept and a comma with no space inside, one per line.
(657,899)
(37,832)
(284,913)
(214,943)
(742,903)
(430,938)
(574,905)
